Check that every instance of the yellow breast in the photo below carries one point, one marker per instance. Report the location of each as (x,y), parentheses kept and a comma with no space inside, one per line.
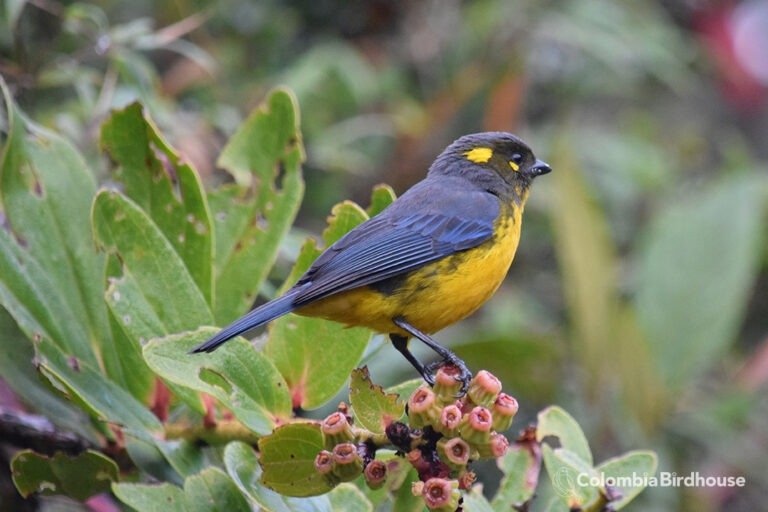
(435,296)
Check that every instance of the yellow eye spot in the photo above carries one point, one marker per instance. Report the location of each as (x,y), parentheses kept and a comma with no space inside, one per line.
(479,155)
(514,166)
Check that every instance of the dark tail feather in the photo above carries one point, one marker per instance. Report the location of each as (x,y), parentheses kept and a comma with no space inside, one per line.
(258,317)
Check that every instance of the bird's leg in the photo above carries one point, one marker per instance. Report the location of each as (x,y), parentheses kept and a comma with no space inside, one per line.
(447,356)
(401,344)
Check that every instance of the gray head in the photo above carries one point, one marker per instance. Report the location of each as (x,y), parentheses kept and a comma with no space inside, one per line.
(495,161)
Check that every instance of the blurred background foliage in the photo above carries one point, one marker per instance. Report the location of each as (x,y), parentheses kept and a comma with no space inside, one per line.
(638,296)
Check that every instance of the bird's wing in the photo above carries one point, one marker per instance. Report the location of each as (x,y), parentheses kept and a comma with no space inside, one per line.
(387,246)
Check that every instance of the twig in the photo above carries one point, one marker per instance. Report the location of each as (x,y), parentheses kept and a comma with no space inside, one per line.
(220,433)
(38,433)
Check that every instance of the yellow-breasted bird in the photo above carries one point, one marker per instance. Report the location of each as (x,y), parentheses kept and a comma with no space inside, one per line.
(430,259)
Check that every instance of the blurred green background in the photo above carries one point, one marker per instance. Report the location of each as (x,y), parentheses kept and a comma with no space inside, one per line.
(638,296)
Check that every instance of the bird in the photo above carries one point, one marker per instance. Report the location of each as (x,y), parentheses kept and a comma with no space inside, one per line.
(430,259)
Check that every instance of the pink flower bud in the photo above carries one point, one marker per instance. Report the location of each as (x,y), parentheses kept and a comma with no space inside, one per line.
(447,384)
(504,410)
(454,452)
(336,430)
(499,445)
(450,418)
(484,388)
(440,493)
(476,426)
(375,474)
(347,463)
(324,462)
(423,409)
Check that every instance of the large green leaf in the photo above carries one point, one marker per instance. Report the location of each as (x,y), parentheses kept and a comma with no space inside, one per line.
(50,274)
(79,477)
(252,217)
(151,293)
(102,398)
(154,279)
(316,356)
(695,274)
(240,377)
(166,187)
(288,459)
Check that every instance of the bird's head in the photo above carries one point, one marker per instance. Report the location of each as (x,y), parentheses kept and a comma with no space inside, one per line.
(496,161)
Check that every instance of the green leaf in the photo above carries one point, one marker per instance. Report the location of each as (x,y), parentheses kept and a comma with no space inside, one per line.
(151,498)
(213,491)
(209,491)
(693,286)
(239,376)
(474,501)
(521,475)
(78,477)
(567,472)
(50,275)
(381,197)
(316,356)
(405,389)
(349,498)
(157,274)
(404,500)
(288,460)
(250,225)
(147,456)
(374,409)
(185,457)
(18,372)
(631,464)
(588,264)
(554,421)
(102,398)
(243,467)
(166,187)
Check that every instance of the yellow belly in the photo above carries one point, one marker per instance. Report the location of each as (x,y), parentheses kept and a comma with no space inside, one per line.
(435,296)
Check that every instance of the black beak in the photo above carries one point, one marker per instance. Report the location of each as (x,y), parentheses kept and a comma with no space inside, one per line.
(539,168)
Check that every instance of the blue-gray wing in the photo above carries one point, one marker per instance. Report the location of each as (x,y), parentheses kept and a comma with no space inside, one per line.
(387,246)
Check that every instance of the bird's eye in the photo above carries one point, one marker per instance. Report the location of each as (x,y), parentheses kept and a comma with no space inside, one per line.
(515,161)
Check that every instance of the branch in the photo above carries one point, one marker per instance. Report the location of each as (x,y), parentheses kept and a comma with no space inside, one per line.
(220,433)
(38,433)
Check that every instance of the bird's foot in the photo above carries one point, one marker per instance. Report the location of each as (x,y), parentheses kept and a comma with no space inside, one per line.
(460,372)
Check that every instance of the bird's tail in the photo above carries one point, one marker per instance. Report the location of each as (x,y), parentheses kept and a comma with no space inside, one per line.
(256,318)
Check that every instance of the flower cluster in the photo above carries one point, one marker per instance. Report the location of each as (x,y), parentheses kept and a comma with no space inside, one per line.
(457,431)
(444,434)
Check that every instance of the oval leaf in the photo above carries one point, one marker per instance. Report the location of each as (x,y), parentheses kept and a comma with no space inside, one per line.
(78,477)
(288,460)
(373,408)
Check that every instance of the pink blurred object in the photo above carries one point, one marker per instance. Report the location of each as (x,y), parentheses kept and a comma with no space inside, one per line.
(735,36)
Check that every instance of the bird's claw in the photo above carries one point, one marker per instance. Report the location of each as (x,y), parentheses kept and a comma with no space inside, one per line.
(464,375)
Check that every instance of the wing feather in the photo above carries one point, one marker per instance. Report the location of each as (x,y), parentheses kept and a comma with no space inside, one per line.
(385,247)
